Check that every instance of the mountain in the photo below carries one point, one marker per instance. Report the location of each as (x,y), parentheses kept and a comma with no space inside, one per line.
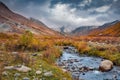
(108,29)
(108,24)
(82,30)
(15,23)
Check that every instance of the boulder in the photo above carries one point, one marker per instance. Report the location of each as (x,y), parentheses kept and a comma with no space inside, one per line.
(23,69)
(106,65)
(48,74)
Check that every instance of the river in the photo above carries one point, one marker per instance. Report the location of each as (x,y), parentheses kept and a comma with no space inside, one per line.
(83,67)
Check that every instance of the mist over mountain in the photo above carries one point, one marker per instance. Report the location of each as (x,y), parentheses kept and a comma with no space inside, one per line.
(68,13)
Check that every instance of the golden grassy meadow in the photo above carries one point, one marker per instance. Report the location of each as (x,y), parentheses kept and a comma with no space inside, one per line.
(47,49)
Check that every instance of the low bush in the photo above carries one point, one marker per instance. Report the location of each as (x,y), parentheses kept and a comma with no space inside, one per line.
(51,54)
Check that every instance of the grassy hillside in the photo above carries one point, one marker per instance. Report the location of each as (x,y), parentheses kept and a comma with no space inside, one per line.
(113,31)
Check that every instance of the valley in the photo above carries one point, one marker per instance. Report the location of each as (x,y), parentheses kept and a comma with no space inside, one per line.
(31,50)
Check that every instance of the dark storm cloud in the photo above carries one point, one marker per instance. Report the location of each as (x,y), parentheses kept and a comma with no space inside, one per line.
(70,13)
(88,3)
(21,4)
(116,7)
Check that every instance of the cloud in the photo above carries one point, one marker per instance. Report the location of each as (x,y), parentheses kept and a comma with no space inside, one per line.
(115,0)
(103,8)
(65,14)
(84,3)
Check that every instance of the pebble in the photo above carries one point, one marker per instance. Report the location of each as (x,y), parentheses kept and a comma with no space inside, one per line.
(17,74)
(34,54)
(26,78)
(114,76)
(38,72)
(14,53)
(64,70)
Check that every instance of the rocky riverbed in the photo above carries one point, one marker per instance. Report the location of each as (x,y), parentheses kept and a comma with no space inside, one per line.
(83,67)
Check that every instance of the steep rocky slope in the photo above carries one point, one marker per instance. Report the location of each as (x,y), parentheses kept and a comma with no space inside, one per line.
(16,23)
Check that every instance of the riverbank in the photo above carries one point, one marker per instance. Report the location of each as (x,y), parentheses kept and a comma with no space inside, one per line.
(84,67)
(104,50)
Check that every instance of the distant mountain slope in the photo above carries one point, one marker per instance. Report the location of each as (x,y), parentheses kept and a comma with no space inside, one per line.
(83,30)
(108,24)
(15,23)
(111,29)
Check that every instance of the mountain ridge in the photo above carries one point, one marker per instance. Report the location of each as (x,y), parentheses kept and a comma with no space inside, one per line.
(20,23)
(107,29)
(112,29)
(82,30)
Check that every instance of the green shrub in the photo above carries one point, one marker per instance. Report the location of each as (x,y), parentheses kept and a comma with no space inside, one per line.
(26,40)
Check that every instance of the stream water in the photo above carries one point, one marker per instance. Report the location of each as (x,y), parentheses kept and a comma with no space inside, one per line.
(83,67)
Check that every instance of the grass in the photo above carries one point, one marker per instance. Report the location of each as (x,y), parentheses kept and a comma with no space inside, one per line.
(107,51)
(47,52)
(51,54)
(27,44)
(35,65)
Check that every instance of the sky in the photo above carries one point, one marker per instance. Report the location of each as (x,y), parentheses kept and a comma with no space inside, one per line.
(68,13)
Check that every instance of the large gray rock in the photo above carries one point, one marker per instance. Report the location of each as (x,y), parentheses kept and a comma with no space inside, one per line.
(106,65)
(23,69)
(48,74)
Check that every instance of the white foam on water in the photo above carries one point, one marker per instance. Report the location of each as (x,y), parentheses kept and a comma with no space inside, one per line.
(97,72)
